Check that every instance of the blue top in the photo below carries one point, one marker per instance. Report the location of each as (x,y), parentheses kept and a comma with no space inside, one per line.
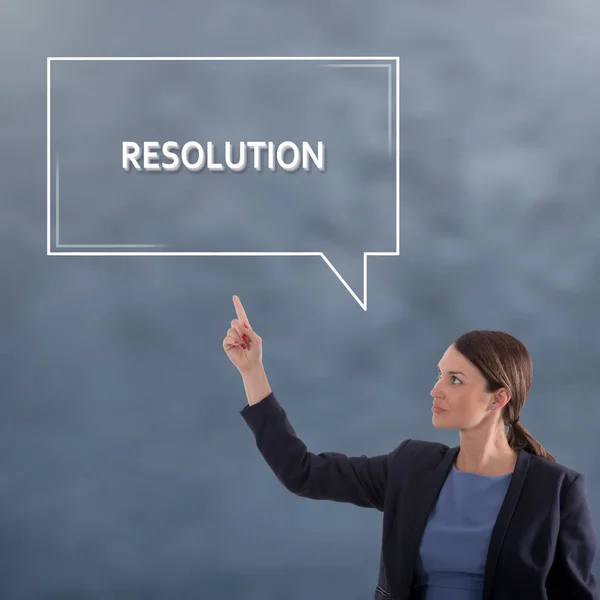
(454,546)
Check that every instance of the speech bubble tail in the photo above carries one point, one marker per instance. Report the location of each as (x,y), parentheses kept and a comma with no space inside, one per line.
(361,294)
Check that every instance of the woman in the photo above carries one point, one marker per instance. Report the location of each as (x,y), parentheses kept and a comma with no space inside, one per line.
(495,518)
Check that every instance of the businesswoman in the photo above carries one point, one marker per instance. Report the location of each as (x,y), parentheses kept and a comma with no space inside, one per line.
(495,518)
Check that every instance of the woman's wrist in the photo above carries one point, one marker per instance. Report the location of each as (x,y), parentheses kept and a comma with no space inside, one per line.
(256,384)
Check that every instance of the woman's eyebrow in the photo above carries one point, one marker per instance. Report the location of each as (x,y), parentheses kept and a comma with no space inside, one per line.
(453,372)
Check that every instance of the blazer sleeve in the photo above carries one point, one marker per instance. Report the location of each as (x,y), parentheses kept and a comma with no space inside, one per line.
(571,573)
(359,480)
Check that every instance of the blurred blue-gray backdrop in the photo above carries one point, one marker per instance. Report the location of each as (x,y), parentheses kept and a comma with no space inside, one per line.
(126,470)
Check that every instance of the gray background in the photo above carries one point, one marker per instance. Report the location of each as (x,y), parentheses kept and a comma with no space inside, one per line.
(126,470)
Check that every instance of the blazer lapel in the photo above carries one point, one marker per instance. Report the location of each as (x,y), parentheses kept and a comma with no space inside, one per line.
(419,501)
(503,521)
(425,494)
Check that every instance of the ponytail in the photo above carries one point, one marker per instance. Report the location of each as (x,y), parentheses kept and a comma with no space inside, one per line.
(520,439)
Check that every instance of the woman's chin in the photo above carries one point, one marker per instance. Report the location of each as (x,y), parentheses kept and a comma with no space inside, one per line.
(439,423)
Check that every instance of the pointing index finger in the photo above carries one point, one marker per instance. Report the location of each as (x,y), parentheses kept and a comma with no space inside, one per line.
(239,309)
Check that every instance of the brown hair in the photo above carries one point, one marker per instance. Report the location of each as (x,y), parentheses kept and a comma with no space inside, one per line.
(504,361)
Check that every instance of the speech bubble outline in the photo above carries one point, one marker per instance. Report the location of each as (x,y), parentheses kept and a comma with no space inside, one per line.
(348,61)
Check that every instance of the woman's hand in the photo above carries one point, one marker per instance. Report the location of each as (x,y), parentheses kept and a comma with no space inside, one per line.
(242,345)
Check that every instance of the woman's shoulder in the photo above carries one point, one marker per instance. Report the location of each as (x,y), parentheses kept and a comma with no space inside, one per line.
(419,453)
(555,471)
(413,446)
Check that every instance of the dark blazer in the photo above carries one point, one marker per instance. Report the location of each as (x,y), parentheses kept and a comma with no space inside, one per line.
(542,545)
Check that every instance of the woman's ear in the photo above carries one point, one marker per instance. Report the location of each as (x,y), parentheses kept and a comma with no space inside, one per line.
(501,397)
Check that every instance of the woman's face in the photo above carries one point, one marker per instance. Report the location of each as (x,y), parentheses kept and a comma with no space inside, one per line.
(460,393)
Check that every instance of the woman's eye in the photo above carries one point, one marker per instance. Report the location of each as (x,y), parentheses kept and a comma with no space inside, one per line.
(454,378)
